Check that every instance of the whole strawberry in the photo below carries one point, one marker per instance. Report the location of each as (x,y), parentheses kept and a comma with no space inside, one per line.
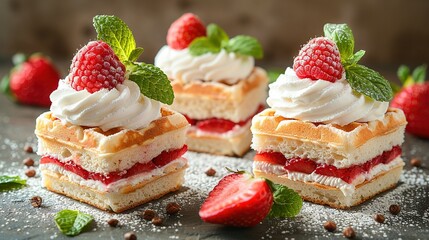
(95,67)
(32,80)
(241,200)
(413,99)
(184,30)
(319,59)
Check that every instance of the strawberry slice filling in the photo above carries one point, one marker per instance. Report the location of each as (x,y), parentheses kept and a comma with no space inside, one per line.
(308,166)
(161,160)
(219,125)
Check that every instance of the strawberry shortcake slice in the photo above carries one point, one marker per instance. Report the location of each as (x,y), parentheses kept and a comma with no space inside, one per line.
(329,133)
(107,140)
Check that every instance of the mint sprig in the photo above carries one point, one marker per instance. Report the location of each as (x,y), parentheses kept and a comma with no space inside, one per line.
(287,202)
(217,39)
(71,222)
(362,79)
(8,183)
(152,81)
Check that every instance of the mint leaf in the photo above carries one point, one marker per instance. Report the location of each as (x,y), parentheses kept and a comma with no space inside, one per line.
(273,74)
(216,34)
(342,35)
(153,82)
(287,203)
(369,83)
(245,45)
(5,85)
(202,45)
(71,222)
(403,73)
(116,33)
(135,54)
(8,183)
(419,74)
(355,58)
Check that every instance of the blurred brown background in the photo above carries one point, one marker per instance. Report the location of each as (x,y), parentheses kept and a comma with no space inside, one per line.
(392,32)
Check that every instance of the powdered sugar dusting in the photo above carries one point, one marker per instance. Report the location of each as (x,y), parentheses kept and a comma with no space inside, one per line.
(21,219)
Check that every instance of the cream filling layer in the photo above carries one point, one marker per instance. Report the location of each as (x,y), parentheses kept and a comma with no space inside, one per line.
(347,188)
(114,186)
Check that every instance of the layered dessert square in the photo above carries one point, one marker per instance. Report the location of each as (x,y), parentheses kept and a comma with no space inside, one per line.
(219,90)
(329,133)
(109,140)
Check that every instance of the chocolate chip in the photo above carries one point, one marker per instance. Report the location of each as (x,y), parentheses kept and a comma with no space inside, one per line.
(330,226)
(28,148)
(172,208)
(130,236)
(415,162)
(394,209)
(113,222)
(379,218)
(29,162)
(148,214)
(349,232)
(211,172)
(36,201)
(30,172)
(157,221)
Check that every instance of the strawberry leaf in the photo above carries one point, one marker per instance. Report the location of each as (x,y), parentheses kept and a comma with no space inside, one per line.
(153,82)
(245,45)
(287,203)
(116,33)
(369,82)
(342,35)
(71,222)
(419,74)
(403,73)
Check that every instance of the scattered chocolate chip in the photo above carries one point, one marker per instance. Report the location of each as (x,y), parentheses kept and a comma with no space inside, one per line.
(113,222)
(30,172)
(379,218)
(349,232)
(394,209)
(130,236)
(330,226)
(29,162)
(36,201)
(157,221)
(148,214)
(415,162)
(28,148)
(210,172)
(172,208)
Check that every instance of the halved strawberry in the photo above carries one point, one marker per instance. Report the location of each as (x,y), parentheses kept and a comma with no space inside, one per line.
(215,125)
(271,157)
(300,165)
(168,156)
(238,200)
(346,174)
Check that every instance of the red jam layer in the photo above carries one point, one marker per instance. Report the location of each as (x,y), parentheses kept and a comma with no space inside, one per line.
(308,166)
(161,160)
(219,125)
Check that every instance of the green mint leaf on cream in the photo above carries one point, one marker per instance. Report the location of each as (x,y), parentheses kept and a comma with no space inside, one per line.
(71,222)
(287,203)
(8,183)
(342,35)
(369,82)
(116,33)
(216,35)
(245,45)
(355,58)
(203,45)
(153,82)
(135,54)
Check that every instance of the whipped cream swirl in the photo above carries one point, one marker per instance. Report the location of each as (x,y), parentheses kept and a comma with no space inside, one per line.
(322,101)
(217,67)
(123,106)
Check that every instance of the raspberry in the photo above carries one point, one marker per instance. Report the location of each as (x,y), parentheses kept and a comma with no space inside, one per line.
(95,67)
(319,59)
(184,30)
